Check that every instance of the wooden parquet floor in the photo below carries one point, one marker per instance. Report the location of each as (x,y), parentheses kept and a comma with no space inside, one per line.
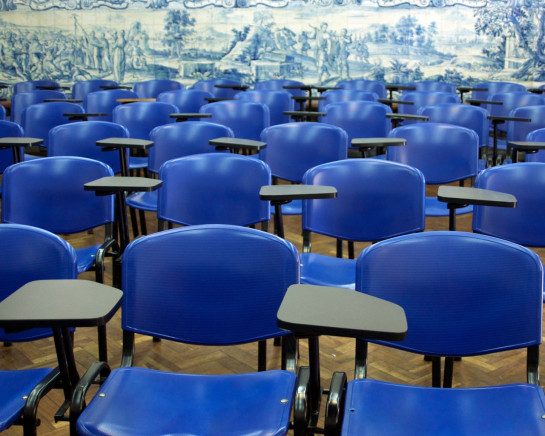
(337,354)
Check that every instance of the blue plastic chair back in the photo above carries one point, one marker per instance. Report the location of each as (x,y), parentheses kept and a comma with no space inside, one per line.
(2,113)
(8,129)
(465,115)
(168,290)
(33,85)
(338,95)
(82,88)
(142,117)
(376,199)
(519,130)
(213,188)
(40,118)
(276,101)
(359,119)
(294,148)
(48,193)
(152,88)
(186,100)
(495,88)
(247,119)
(375,86)
(456,300)
(210,86)
(513,100)
(104,102)
(537,135)
(278,85)
(20,101)
(431,85)
(524,224)
(443,152)
(27,254)
(176,140)
(79,139)
(424,98)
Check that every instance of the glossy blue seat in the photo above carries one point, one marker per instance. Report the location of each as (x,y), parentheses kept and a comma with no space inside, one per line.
(27,254)
(213,188)
(424,98)
(39,119)
(79,139)
(246,119)
(445,153)
(2,113)
(104,102)
(376,86)
(142,117)
(537,135)
(277,101)
(495,87)
(169,292)
(81,88)
(376,200)
(210,86)
(172,141)
(433,85)
(294,148)
(8,129)
(278,85)
(33,85)
(456,304)
(338,95)
(152,88)
(511,101)
(186,100)
(359,119)
(20,101)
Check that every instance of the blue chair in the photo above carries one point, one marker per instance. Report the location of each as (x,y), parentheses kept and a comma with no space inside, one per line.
(33,85)
(277,101)
(186,100)
(81,88)
(338,95)
(456,304)
(152,88)
(433,85)
(424,98)
(511,101)
(359,119)
(523,224)
(246,119)
(104,102)
(48,193)
(375,86)
(279,84)
(79,139)
(8,129)
(27,254)
(142,117)
(294,148)
(172,141)
(20,101)
(445,153)
(494,87)
(376,200)
(537,135)
(2,113)
(213,188)
(39,119)
(223,93)
(168,291)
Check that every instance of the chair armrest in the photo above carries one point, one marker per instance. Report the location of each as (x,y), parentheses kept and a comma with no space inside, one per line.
(237,143)
(109,244)
(78,397)
(280,194)
(369,143)
(31,405)
(459,196)
(301,409)
(334,409)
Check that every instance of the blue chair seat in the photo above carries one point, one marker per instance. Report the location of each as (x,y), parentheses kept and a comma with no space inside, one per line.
(14,385)
(190,404)
(143,200)
(294,207)
(317,269)
(390,409)
(86,257)
(136,162)
(435,207)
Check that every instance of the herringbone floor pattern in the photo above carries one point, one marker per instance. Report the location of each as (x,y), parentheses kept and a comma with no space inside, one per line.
(337,354)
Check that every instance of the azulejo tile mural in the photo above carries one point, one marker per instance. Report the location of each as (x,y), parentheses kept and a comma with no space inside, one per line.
(316,41)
